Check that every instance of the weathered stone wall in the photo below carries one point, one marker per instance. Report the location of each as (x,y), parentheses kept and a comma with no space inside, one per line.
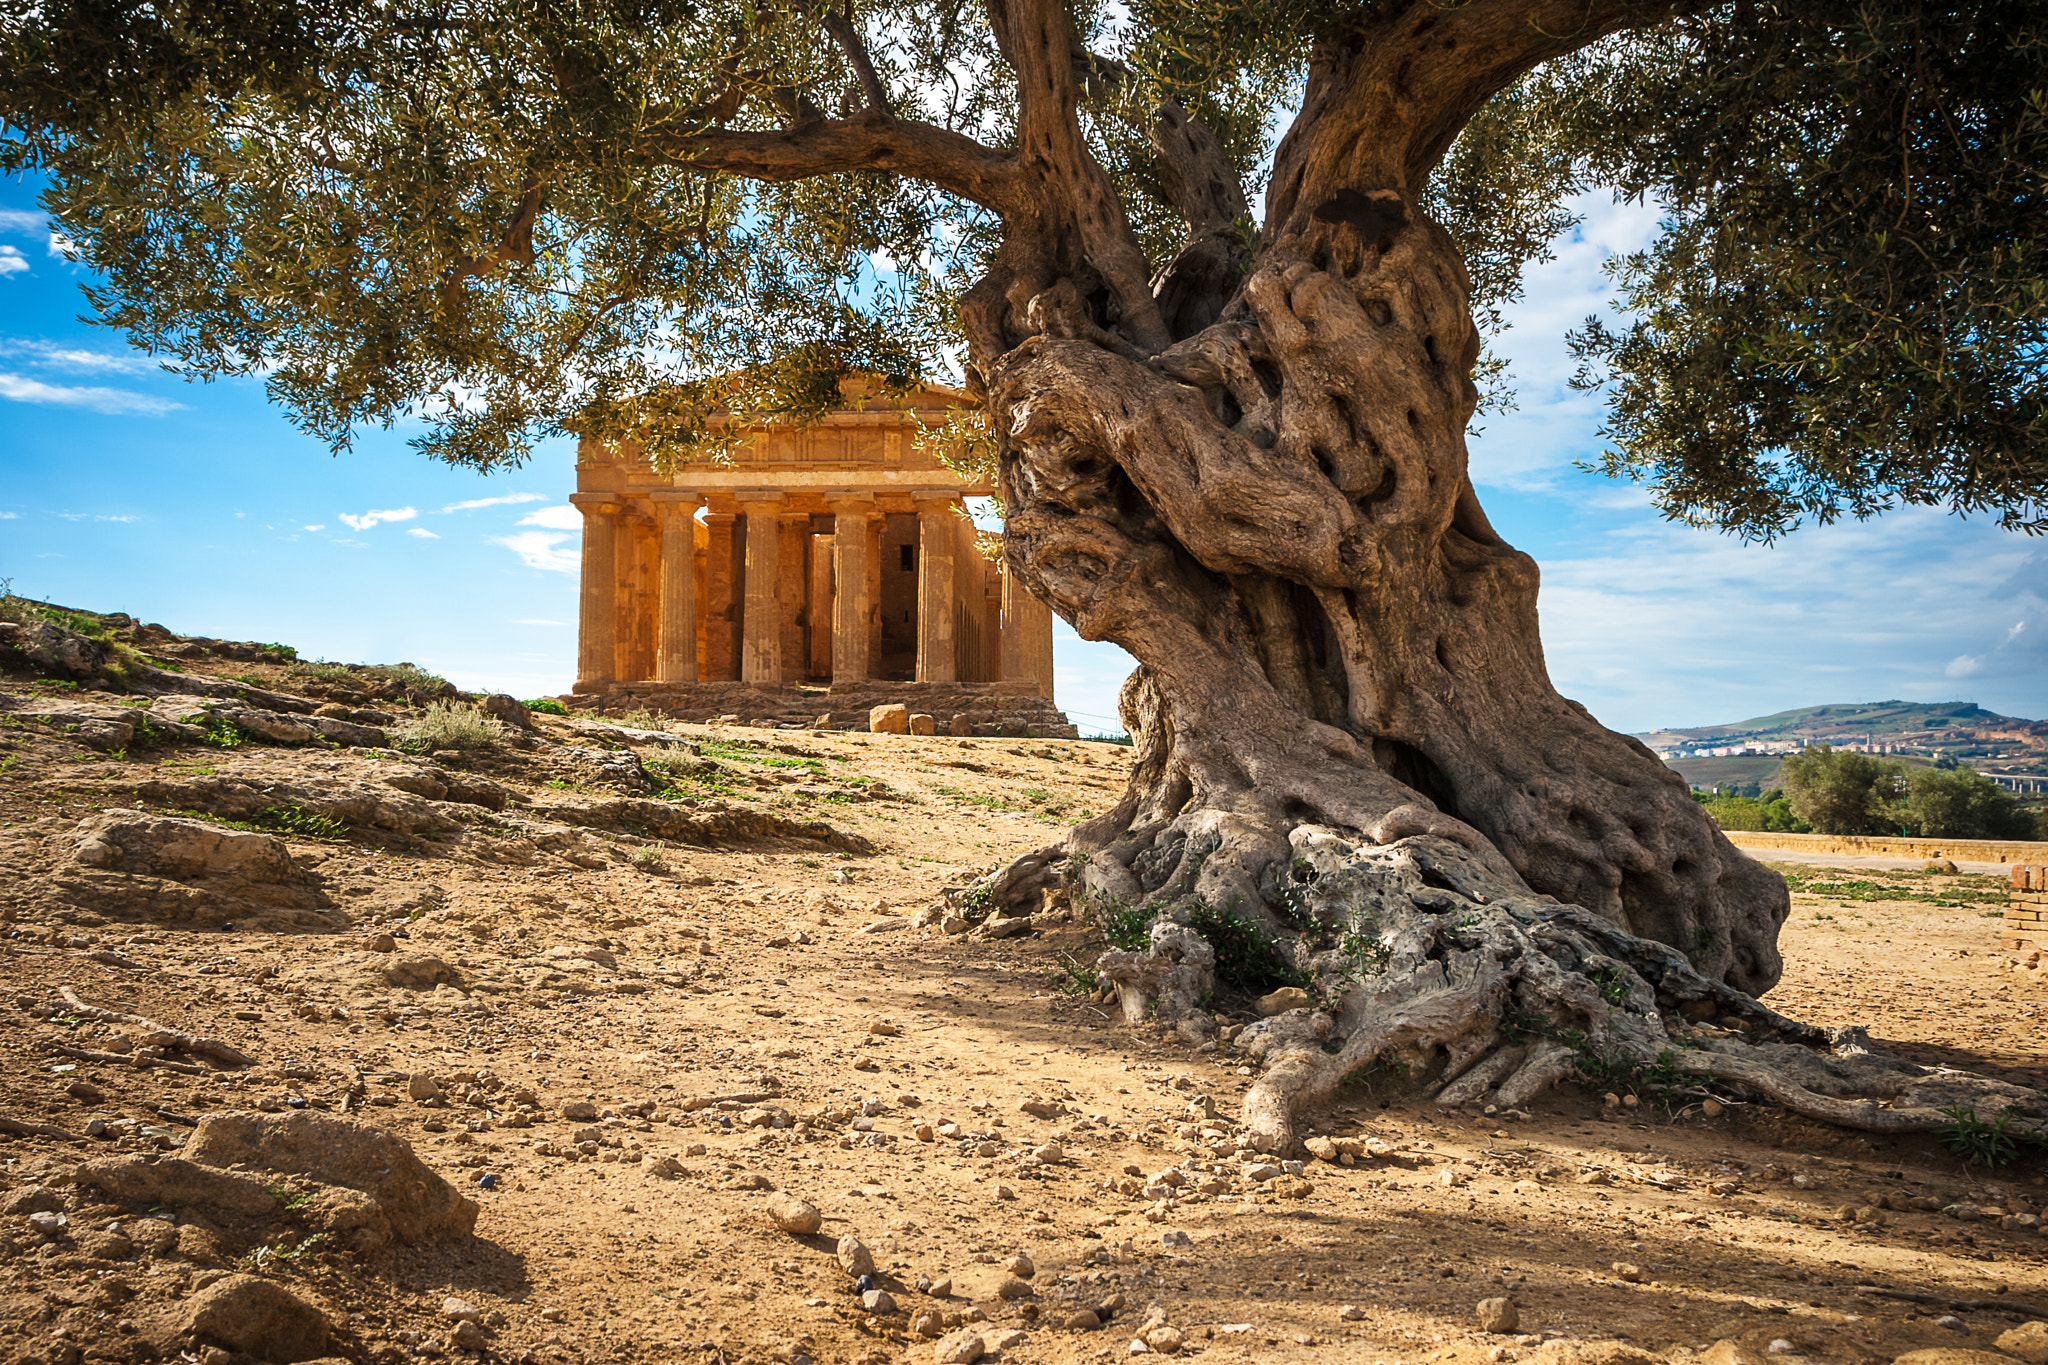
(2026,912)
(1878,846)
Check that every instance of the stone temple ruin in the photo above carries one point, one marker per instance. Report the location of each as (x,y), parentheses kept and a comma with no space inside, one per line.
(832,570)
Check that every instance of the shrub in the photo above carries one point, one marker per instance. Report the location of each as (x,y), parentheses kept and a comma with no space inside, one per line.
(1773,813)
(18,611)
(547,706)
(1246,959)
(415,682)
(296,819)
(1962,803)
(449,725)
(323,670)
(1839,792)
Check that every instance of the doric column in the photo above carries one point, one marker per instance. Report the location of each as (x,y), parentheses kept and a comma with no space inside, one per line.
(597,614)
(852,600)
(721,611)
(818,607)
(760,623)
(935,517)
(636,547)
(1027,636)
(793,593)
(675,650)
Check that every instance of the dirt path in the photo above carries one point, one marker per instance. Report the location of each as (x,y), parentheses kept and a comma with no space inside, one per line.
(742,1025)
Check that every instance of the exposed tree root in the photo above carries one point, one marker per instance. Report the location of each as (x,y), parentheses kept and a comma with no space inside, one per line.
(1421,954)
(154,1034)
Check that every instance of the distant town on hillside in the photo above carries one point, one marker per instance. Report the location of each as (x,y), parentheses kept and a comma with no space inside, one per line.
(2011,751)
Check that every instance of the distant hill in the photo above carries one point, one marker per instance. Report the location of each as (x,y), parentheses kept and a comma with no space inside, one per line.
(1960,730)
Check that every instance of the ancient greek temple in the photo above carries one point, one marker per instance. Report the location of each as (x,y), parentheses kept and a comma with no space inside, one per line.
(823,570)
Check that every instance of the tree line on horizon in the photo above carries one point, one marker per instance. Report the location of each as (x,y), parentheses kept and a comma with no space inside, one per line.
(1824,790)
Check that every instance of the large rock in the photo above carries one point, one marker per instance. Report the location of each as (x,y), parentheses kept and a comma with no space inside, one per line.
(401,801)
(53,651)
(260,1317)
(510,710)
(363,1187)
(412,1201)
(299,725)
(889,720)
(186,850)
(93,724)
(2028,1342)
(706,826)
(128,864)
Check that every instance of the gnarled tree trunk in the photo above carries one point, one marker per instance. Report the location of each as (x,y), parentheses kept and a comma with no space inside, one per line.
(1253,478)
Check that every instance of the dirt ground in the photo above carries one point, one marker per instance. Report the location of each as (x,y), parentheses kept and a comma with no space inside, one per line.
(699,996)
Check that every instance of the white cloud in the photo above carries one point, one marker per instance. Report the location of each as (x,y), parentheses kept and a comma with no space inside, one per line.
(61,247)
(12,262)
(542,550)
(2014,633)
(554,519)
(321,527)
(422,532)
(537,622)
(114,402)
(1666,626)
(51,356)
(22,221)
(369,519)
(506,500)
(9,516)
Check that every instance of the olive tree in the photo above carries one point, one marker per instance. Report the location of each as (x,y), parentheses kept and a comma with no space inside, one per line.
(1225,381)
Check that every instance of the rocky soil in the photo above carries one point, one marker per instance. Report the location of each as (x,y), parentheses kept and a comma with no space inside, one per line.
(611,1042)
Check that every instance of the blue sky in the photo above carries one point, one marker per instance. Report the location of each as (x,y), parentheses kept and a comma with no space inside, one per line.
(126,489)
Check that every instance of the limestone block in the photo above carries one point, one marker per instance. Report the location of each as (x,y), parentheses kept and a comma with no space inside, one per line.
(890,720)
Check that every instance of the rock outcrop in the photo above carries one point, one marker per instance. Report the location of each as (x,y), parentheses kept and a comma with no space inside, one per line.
(350,1181)
(129,864)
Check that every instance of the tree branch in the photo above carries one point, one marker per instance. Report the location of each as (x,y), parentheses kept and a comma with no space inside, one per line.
(1195,172)
(515,245)
(869,141)
(1038,40)
(840,26)
(1196,175)
(1386,99)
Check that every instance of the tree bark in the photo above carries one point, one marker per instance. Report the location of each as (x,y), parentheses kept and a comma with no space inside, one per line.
(1274,517)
